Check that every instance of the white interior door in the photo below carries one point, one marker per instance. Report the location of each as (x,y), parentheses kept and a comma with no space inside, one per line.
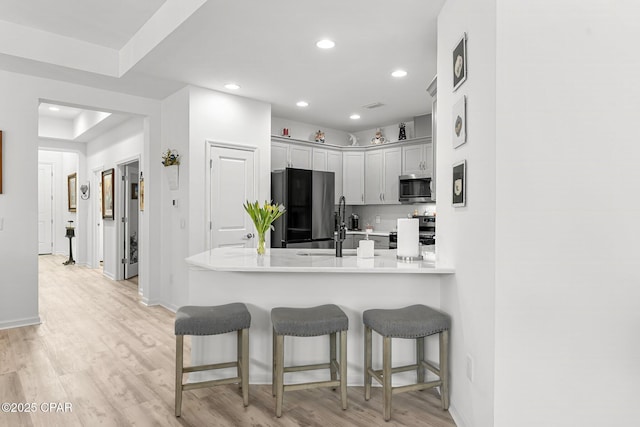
(45,208)
(231,183)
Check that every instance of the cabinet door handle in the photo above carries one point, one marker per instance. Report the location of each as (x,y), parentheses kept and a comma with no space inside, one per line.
(362,197)
(383,197)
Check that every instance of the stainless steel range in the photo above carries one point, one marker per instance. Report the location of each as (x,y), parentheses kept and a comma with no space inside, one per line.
(427,232)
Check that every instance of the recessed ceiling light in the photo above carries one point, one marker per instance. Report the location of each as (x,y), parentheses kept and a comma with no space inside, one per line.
(354,116)
(54,109)
(232,86)
(326,44)
(399,73)
(302,104)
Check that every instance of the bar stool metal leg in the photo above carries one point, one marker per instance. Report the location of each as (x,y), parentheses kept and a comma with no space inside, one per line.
(367,362)
(386,377)
(279,374)
(273,365)
(420,359)
(343,368)
(179,367)
(444,369)
(332,357)
(244,338)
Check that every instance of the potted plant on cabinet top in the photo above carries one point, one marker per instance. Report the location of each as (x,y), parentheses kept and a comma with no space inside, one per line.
(171,161)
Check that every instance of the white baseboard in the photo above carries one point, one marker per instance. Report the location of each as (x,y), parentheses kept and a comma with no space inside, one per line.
(457,417)
(170,307)
(18,323)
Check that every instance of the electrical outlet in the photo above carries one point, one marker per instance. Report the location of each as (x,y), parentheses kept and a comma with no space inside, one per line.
(377,219)
(470,367)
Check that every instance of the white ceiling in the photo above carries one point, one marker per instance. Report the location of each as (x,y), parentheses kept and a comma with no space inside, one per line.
(109,23)
(267,47)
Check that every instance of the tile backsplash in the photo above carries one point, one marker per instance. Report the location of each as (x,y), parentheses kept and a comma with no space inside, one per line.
(388,214)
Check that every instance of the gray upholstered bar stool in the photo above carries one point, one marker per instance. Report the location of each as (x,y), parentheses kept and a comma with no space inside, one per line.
(309,322)
(413,322)
(213,320)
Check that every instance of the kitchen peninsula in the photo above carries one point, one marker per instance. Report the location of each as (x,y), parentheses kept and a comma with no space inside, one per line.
(304,278)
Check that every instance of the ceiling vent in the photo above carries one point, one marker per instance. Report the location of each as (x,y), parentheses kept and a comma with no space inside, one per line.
(373,105)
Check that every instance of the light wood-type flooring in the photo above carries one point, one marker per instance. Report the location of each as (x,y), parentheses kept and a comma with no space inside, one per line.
(112,359)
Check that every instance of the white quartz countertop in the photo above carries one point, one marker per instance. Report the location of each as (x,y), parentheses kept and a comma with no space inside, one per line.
(310,261)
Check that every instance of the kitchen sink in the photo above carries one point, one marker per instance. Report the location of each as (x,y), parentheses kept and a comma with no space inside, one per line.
(345,252)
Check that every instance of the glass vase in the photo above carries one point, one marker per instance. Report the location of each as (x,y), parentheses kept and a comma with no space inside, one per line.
(261,249)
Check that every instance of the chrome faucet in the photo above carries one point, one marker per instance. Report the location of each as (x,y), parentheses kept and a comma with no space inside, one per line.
(341,229)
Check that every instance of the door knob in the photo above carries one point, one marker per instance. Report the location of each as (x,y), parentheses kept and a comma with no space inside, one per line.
(249,236)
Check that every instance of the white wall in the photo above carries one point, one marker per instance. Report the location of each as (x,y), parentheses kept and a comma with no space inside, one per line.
(193,117)
(466,236)
(18,204)
(567,301)
(389,132)
(119,145)
(307,131)
(175,240)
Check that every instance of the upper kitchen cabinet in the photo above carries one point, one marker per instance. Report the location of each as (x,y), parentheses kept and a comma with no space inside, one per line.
(290,155)
(353,177)
(329,160)
(417,158)
(382,168)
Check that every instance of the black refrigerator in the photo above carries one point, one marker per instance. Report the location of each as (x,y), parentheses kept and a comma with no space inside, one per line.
(308,197)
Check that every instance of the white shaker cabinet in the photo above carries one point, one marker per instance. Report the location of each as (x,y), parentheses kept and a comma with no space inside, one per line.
(353,177)
(329,160)
(417,159)
(285,155)
(334,164)
(382,169)
(320,159)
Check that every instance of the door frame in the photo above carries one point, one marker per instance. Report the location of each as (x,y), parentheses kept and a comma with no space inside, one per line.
(209,145)
(121,191)
(96,213)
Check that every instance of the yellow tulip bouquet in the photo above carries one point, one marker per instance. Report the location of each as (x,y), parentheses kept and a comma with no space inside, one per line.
(263,217)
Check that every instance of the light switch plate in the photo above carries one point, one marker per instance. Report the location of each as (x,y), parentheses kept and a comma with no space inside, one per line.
(1,224)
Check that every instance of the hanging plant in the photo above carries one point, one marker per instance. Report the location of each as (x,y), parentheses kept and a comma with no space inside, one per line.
(170,158)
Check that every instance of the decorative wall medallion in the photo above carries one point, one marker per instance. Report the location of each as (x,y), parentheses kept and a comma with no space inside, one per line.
(459,122)
(460,62)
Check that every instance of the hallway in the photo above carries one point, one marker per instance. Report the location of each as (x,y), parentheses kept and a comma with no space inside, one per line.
(112,359)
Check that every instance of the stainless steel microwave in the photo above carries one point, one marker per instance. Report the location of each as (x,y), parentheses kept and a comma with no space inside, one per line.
(415,189)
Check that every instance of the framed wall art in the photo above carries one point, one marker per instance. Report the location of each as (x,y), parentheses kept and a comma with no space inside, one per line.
(141,192)
(134,191)
(460,122)
(72,193)
(459,198)
(460,62)
(108,194)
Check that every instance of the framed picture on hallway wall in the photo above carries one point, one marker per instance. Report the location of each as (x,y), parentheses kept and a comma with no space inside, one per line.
(72,184)
(107,194)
